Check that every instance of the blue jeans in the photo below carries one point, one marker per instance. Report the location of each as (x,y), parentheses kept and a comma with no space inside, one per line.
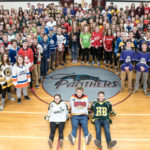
(74,51)
(44,67)
(105,123)
(79,119)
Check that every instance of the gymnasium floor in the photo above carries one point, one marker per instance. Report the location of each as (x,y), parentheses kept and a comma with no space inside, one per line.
(22,126)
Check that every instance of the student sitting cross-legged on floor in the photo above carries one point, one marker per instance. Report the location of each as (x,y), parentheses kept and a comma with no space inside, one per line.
(102,109)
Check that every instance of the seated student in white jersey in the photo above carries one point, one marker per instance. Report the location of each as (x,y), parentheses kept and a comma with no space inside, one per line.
(79,110)
(57,116)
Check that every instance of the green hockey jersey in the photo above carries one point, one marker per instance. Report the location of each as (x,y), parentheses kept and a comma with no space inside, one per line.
(101,110)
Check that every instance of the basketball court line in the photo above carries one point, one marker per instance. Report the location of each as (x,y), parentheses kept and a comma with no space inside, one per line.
(41,113)
(22,112)
(46,138)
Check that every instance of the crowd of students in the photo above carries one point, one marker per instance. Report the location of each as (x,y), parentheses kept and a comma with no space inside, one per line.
(35,40)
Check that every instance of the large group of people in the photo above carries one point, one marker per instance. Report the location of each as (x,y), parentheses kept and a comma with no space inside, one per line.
(36,39)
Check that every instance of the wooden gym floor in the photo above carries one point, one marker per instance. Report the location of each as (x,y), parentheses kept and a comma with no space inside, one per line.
(22,126)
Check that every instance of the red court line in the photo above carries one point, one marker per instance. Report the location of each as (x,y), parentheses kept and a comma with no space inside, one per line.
(79,140)
(57,148)
(33,91)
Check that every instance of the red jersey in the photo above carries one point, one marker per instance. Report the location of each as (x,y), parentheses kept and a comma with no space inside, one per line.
(28,56)
(146,10)
(6,45)
(108,43)
(97,39)
(66,26)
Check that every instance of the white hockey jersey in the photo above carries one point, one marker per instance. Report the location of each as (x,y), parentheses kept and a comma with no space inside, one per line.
(58,112)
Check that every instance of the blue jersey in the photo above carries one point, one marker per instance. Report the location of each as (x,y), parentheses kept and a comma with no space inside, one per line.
(46,51)
(144,40)
(12,55)
(52,42)
(67,39)
(118,41)
(127,57)
(142,59)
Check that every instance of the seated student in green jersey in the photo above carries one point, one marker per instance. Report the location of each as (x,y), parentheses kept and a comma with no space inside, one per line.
(102,109)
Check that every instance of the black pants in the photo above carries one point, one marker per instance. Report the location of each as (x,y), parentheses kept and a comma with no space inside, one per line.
(31,79)
(116,60)
(108,56)
(85,53)
(80,50)
(0,89)
(8,89)
(97,53)
(53,126)
(65,54)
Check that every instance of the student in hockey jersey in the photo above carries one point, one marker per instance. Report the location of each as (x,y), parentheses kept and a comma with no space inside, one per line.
(102,109)
(57,116)
(108,42)
(61,40)
(13,52)
(126,63)
(52,46)
(66,45)
(21,78)
(79,105)
(97,43)
(85,41)
(46,55)
(142,59)
(6,70)
(27,55)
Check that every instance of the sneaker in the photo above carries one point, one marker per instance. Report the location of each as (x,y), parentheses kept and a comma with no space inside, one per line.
(145,92)
(104,61)
(106,67)
(98,63)
(88,139)
(37,86)
(73,61)
(61,142)
(50,143)
(122,90)
(112,143)
(52,68)
(88,62)
(19,100)
(76,61)
(1,107)
(71,139)
(12,99)
(130,90)
(98,143)
(82,62)
(134,91)
(27,97)
(92,63)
